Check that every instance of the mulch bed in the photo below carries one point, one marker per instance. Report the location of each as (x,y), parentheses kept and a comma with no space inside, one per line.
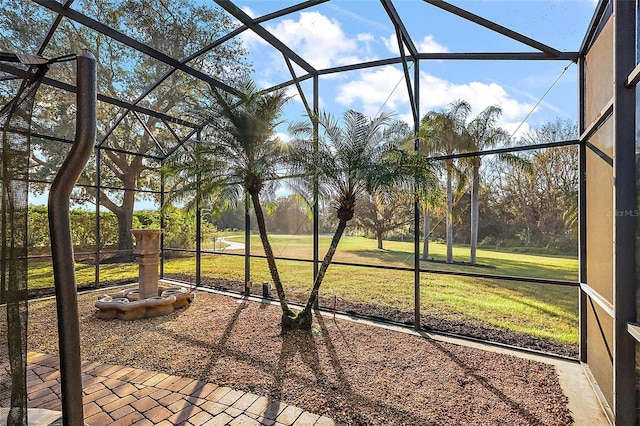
(354,373)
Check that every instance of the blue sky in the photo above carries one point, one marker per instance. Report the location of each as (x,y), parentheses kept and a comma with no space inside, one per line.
(342,32)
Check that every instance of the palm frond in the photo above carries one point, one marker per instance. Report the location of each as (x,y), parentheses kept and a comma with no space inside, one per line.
(519,162)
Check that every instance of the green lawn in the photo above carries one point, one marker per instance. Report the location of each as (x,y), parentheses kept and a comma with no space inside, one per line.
(541,310)
(396,253)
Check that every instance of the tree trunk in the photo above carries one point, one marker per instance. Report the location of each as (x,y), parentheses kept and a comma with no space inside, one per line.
(271,260)
(449,221)
(303,320)
(125,223)
(379,239)
(427,231)
(475,210)
(125,211)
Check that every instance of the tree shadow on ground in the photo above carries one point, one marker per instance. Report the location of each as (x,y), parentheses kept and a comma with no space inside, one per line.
(485,383)
(226,334)
(461,325)
(533,269)
(328,381)
(349,399)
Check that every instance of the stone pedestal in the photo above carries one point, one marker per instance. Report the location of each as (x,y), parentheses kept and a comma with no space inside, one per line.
(147,251)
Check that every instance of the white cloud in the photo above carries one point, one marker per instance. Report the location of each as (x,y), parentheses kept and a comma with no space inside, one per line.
(252,14)
(248,37)
(518,127)
(316,38)
(427,45)
(359,18)
(430,45)
(370,92)
(375,89)
(366,37)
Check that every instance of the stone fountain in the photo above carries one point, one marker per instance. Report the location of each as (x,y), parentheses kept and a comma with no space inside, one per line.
(149,300)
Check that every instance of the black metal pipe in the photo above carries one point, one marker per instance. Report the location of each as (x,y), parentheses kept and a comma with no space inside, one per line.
(162,253)
(61,243)
(198,222)
(247,243)
(316,187)
(416,205)
(198,241)
(97,218)
(582,211)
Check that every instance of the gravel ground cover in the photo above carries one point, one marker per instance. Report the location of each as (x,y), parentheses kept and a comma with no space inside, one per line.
(354,373)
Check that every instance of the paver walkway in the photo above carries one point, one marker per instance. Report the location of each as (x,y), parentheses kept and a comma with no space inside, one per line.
(117,395)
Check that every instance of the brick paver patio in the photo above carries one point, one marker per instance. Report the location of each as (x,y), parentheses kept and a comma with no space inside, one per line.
(117,395)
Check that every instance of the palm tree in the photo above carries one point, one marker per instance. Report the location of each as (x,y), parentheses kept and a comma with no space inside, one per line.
(484,133)
(350,162)
(444,133)
(243,157)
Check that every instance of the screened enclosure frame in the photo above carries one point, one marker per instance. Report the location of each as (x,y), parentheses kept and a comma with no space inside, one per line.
(620,406)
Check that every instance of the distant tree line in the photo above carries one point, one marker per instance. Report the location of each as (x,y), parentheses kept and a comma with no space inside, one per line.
(532,209)
(179,225)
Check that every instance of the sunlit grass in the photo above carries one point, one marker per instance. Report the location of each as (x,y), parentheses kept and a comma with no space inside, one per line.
(398,253)
(40,274)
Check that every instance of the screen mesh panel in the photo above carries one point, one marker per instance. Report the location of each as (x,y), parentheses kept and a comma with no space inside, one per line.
(15,120)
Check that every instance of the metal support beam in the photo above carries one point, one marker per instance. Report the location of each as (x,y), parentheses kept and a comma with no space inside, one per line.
(52,29)
(500,56)
(440,56)
(98,196)
(162,201)
(297,83)
(153,138)
(316,187)
(407,78)
(505,150)
(56,7)
(416,206)
(173,132)
(400,28)
(634,77)
(198,221)
(247,242)
(179,145)
(457,56)
(624,175)
(237,13)
(601,10)
(288,10)
(582,214)
(602,117)
(102,98)
(493,26)
(204,50)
